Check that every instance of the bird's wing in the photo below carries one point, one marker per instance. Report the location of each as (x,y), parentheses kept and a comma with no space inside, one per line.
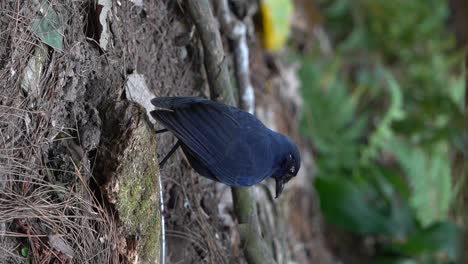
(206,127)
(177,102)
(248,160)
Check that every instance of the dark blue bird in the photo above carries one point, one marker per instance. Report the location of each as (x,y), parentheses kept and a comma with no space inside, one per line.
(226,144)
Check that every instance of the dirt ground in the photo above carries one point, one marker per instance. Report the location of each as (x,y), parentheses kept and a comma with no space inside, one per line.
(55,141)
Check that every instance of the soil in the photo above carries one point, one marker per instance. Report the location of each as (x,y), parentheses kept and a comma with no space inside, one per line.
(66,129)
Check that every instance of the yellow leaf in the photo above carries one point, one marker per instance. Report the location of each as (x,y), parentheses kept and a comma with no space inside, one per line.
(276,21)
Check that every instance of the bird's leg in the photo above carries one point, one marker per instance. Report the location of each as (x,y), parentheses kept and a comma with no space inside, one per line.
(174,148)
(161,130)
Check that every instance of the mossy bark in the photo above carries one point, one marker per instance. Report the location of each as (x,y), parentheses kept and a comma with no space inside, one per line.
(133,177)
(138,195)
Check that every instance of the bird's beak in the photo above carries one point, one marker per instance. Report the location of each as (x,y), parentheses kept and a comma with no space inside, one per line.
(279,186)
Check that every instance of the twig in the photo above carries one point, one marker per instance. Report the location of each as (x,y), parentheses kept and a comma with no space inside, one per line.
(255,248)
(214,58)
(237,33)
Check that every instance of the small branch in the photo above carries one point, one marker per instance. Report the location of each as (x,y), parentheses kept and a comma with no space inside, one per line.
(214,58)
(255,249)
(237,33)
(257,252)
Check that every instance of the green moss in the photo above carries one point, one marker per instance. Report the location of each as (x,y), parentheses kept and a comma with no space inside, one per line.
(138,195)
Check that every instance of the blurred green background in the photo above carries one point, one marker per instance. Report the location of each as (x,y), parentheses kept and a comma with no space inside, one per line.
(384,113)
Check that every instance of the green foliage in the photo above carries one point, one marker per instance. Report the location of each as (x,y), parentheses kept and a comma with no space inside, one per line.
(439,240)
(383,132)
(383,116)
(344,129)
(429,174)
(359,207)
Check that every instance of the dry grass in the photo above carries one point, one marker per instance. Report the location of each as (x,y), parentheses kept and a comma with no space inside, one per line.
(57,221)
(34,211)
(35,207)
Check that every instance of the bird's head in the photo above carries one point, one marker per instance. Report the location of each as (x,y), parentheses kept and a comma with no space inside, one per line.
(290,163)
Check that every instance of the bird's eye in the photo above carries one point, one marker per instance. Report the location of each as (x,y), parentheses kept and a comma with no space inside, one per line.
(292,169)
